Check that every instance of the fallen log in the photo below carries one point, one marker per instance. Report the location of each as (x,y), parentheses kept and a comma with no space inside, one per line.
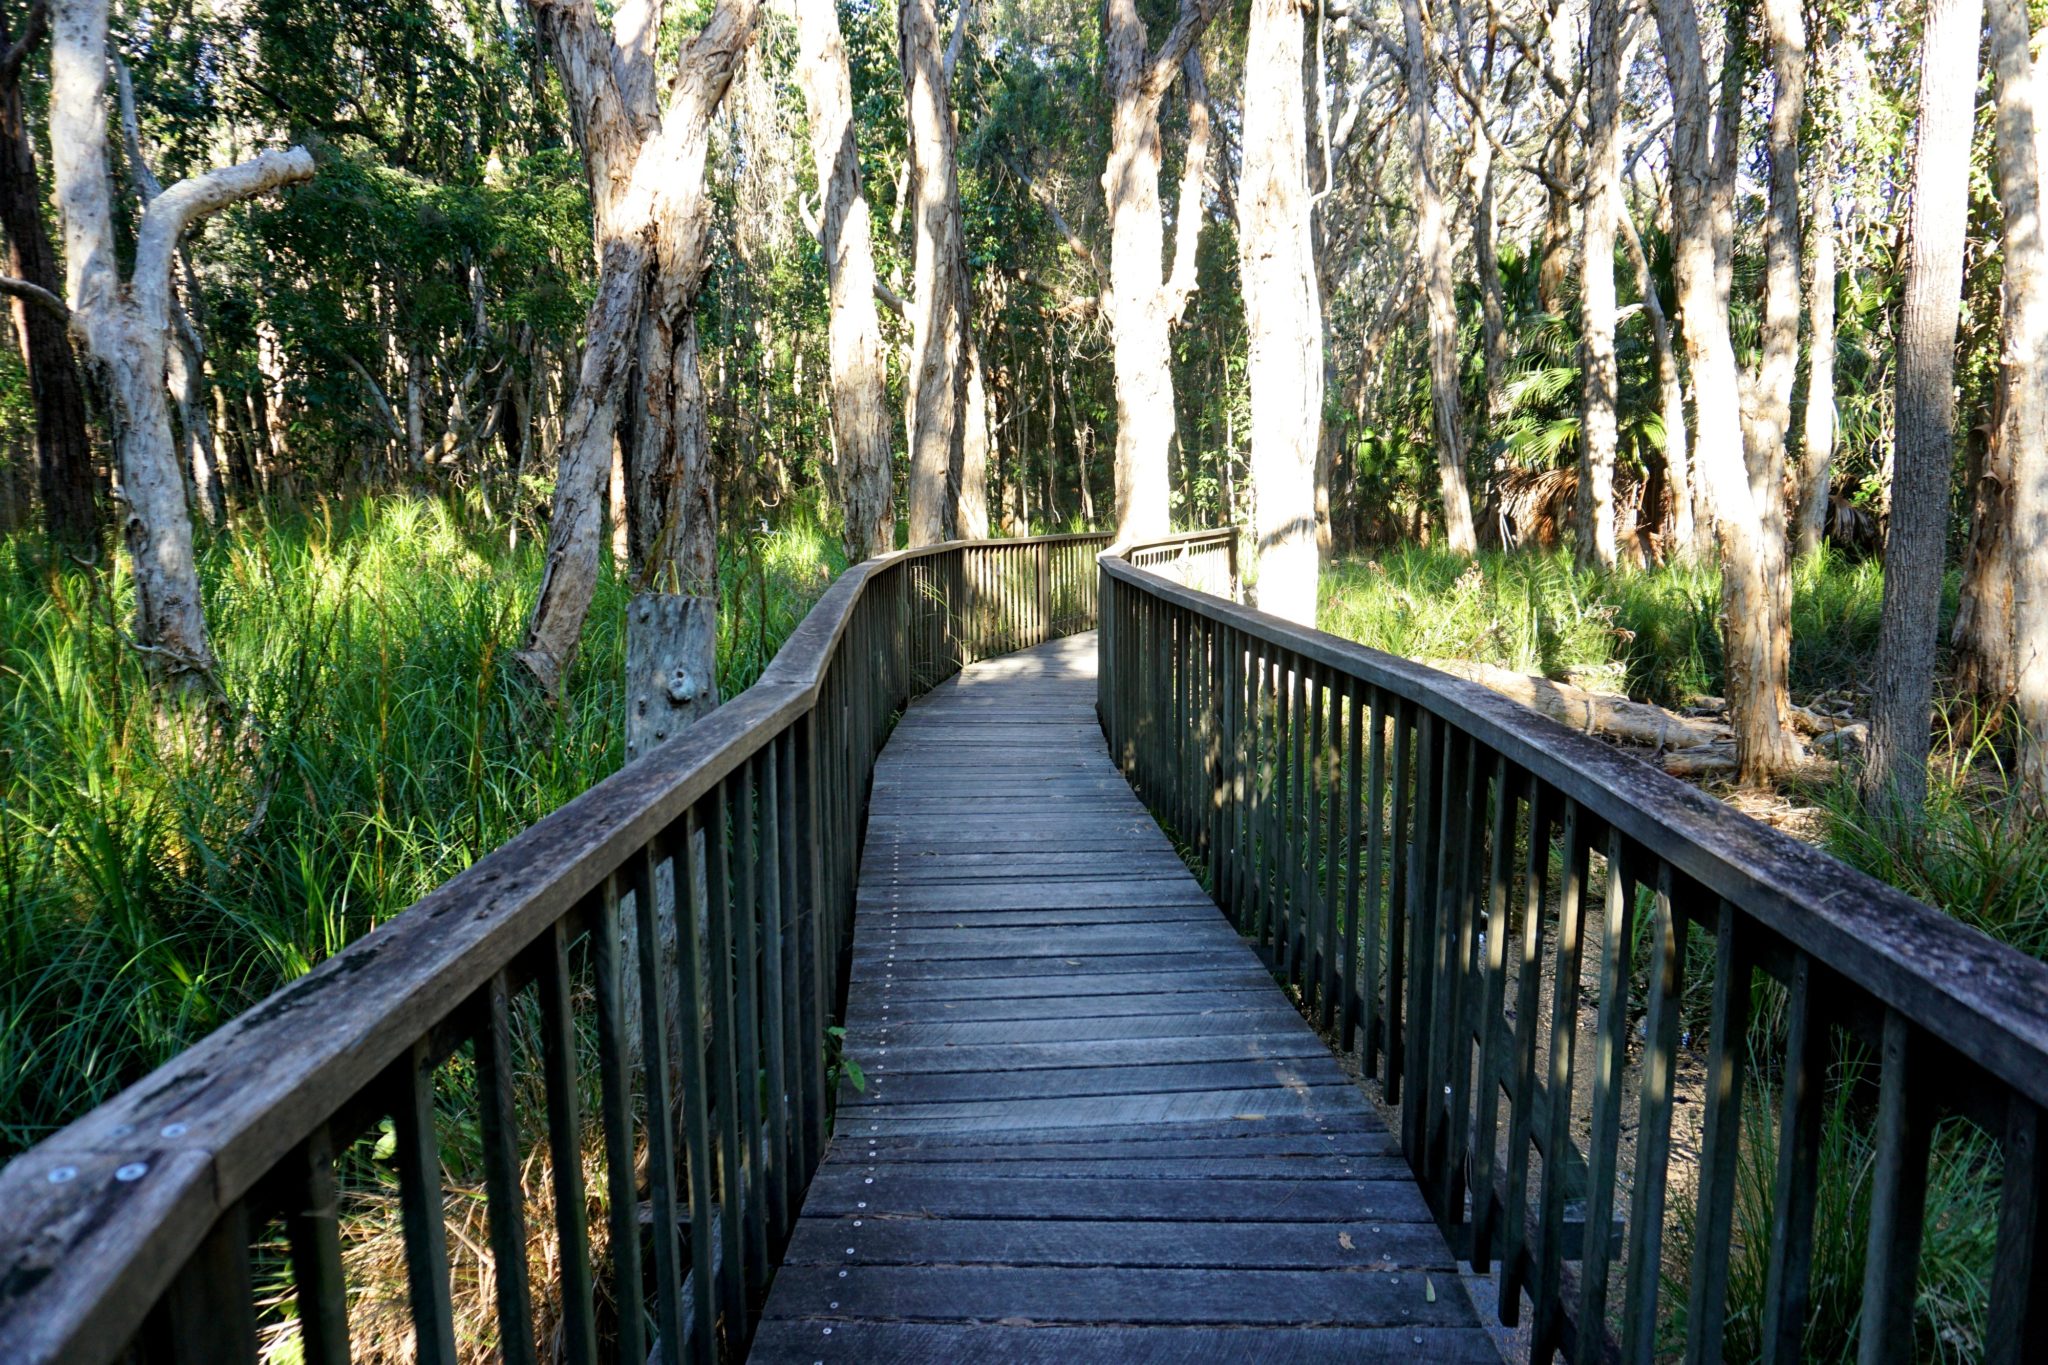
(1594,713)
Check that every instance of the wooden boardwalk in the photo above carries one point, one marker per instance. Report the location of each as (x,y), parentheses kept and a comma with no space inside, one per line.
(1093,1128)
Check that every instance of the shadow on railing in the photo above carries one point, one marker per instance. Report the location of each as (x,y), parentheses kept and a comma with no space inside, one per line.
(1514,927)
(235,1199)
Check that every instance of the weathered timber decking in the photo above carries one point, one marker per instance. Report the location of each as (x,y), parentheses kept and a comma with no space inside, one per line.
(1093,1128)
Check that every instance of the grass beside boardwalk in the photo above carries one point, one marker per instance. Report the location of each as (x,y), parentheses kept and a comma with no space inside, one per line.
(151,889)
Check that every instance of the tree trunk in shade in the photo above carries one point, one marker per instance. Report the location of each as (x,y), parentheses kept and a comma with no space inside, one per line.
(1923,454)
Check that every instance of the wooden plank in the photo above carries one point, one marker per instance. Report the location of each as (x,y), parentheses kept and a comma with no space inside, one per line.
(833,1338)
(1086,1099)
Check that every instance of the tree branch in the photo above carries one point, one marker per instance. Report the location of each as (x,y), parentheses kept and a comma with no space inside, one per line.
(32,31)
(36,294)
(168,216)
(1187,217)
(1180,40)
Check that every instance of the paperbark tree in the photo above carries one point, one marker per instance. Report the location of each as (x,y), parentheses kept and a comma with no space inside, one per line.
(1685,525)
(1702,184)
(644,141)
(1433,247)
(1143,307)
(1283,314)
(1817,453)
(2022,433)
(65,478)
(125,326)
(1601,381)
(940,347)
(861,424)
(1923,452)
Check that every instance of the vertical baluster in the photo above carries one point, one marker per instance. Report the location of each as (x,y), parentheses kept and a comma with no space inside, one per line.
(774,1001)
(811,950)
(410,1083)
(1786,1293)
(1333,964)
(1610,1056)
(616,1105)
(700,1330)
(1369,905)
(1557,1135)
(1397,897)
(1720,1138)
(746,910)
(1493,1034)
(565,1140)
(1300,845)
(1522,1090)
(313,1225)
(1451,1046)
(1418,915)
(1898,1195)
(1259,841)
(1653,1127)
(504,1196)
(654,1074)
(2019,1278)
(720,956)
(209,1310)
(1314,944)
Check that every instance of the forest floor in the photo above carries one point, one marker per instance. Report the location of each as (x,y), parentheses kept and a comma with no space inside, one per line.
(152,887)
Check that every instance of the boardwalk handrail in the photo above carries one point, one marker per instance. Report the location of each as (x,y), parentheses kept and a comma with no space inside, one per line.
(134,1226)
(1408,848)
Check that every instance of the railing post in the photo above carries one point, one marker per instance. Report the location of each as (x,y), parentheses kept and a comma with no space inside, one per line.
(1042,555)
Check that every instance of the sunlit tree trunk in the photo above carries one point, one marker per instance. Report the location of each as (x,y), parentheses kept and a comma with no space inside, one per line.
(125,325)
(1923,455)
(1433,246)
(2022,431)
(65,478)
(1141,307)
(1685,529)
(1601,374)
(1701,192)
(937,371)
(860,391)
(1283,315)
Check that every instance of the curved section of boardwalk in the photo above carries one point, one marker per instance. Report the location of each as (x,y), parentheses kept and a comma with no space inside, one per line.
(1093,1128)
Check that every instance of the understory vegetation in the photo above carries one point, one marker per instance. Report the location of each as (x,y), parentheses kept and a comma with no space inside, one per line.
(155,881)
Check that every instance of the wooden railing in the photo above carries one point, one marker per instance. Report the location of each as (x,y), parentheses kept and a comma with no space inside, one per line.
(1450,880)
(220,1204)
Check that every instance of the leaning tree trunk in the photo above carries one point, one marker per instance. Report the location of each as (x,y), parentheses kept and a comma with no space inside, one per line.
(860,389)
(1699,169)
(1671,399)
(65,478)
(1433,246)
(1602,379)
(1923,453)
(937,372)
(126,324)
(1140,306)
(1283,315)
(2023,428)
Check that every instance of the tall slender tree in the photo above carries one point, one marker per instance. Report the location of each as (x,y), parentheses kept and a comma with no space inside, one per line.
(1923,452)
(1283,311)
(1142,307)
(1433,246)
(126,323)
(64,468)
(1601,373)
(1703,134)
(861,425)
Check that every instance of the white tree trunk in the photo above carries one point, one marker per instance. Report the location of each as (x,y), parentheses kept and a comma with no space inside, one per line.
(1433,246)
(860,393)
(1601,373)
(125,327)
(1283,315)
(1141,308)
(1700,168)
(2023,431)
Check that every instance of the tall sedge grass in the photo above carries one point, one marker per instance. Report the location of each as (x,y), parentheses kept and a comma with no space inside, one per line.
(151,887)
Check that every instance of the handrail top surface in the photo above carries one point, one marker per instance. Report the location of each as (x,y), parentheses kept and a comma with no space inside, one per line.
(211,1123)
(1985,999)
